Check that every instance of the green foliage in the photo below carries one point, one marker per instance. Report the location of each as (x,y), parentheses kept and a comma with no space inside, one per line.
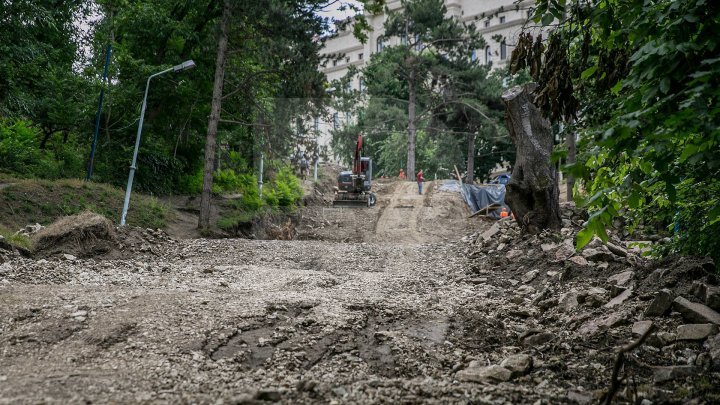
(287,188)
(649,76)
(18,152)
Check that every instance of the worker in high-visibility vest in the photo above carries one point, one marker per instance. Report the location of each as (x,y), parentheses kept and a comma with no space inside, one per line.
(504,213)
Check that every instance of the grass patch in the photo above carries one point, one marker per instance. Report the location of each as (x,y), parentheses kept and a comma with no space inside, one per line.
(20,241)
(29,201)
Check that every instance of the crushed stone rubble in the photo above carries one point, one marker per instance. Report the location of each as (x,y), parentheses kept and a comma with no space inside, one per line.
(496,317)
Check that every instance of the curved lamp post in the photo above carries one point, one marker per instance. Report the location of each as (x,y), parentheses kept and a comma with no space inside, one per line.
(188,64)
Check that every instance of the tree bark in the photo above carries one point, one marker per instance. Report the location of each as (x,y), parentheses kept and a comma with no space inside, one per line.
(412,131)
(532,193)
(571,156)
(470,175)
(211,138)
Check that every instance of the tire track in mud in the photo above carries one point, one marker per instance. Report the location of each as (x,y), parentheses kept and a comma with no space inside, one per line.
(398,222)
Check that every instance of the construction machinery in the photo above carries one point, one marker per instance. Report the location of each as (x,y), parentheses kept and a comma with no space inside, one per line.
(353,187)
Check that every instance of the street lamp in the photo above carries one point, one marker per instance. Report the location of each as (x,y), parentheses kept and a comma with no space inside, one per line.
(188,64)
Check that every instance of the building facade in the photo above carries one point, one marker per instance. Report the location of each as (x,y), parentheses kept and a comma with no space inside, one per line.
(493,19)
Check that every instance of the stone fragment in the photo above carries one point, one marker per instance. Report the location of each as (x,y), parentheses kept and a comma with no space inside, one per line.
(639,328)
(596,297)
(78,313)
(518,364)
(661,303)
(546,247)
(580,397)
(621,279)
(566,250)
(492,373)
(529,276)
(712,346)
(662,374)
(711,296)
(696,331)
(579,260)
(600,254)
(538,339)
(613,320)
(514,254)
(618,250)
(494,229)
(617,301)
(695,312)
(569,300)
(69,257)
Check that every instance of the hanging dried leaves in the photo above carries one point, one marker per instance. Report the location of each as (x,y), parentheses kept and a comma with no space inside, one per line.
(551,70)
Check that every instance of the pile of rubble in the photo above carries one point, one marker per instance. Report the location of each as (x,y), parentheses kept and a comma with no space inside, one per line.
(576,309)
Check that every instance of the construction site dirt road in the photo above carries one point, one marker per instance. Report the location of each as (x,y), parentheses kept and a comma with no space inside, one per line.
(389,304)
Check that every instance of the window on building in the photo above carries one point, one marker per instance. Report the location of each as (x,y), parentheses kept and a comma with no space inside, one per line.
(502,19)
(336,120)
(529,13)
(347,60)
(503,51)
(488,55)
(348,118)
(473,57)
(334,63)
(403,39)
(418,43)
(487,23)
(361,84)
(380,44)
(360,56)
(316,124)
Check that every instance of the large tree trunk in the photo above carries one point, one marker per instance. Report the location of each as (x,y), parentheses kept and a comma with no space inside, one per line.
(532,193)
(211,138)
(411,129)
(571,155)
(470,175)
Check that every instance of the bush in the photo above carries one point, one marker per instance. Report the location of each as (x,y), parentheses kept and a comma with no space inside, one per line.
(18,153)
(287,188)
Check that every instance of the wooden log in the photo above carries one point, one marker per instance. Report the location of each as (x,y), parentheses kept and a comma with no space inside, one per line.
(532,193)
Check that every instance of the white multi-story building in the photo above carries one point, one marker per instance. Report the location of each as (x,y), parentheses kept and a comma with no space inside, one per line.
(493,19)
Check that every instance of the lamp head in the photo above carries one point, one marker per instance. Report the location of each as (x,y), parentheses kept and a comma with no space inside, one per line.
(188,64)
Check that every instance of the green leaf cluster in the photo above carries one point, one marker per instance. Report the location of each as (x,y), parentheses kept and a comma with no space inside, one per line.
(648,76)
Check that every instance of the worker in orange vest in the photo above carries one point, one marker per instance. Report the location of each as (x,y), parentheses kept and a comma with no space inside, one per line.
(401,176)
(504,213)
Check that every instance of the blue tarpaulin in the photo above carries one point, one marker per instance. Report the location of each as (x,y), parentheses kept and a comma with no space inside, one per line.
(479,197)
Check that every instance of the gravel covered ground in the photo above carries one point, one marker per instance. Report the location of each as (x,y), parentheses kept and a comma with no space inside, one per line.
(409,313)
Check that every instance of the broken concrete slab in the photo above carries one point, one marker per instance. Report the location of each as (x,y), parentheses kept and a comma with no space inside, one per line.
(696,331)
(695,312)
(661,304)
(621,279)
(617,301)
(639,328)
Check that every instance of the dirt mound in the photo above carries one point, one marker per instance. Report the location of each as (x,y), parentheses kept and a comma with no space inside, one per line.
(83,235)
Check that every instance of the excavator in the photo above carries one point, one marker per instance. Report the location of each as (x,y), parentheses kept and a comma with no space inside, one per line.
(353,187)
